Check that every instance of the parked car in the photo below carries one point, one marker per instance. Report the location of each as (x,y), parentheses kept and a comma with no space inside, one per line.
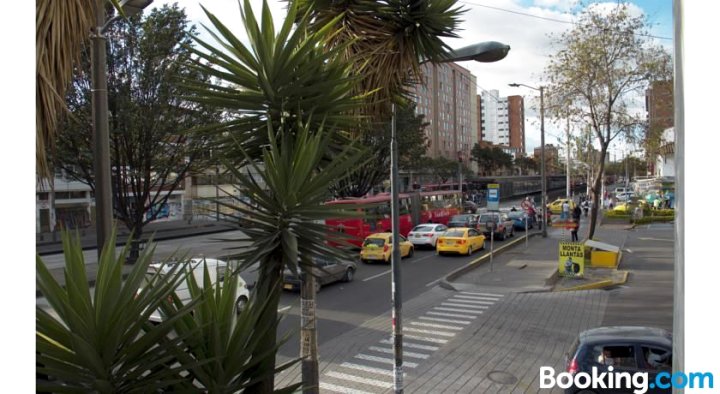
(519,218)
(502,223)
(326,271)
(625,348)
(556,206)
(465,220)
(426,234)
(378,247)
(216,270)
(460,240)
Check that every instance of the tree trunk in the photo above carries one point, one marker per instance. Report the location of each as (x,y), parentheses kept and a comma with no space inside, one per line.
(308,336)
(135,243)
(268,284)
(597,185)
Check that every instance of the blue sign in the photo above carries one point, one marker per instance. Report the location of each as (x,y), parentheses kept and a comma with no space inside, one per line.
(493,199)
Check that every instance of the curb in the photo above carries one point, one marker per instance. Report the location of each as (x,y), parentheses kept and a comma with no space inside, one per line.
(599,284)
(445,282)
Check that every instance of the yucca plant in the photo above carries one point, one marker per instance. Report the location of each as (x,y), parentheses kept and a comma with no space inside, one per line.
(218,340)
(101,340)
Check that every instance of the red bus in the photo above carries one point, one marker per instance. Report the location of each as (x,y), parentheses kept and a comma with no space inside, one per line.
(415,208)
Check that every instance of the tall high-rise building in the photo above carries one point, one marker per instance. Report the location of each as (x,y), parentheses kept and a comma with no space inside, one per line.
(447,97)
(501,120)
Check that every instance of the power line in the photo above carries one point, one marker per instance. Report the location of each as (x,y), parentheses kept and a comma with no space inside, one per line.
(545,18)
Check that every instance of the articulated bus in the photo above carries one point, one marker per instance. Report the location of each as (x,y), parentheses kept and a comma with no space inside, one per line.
(415,208)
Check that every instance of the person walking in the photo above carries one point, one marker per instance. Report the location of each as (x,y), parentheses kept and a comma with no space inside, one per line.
(576,225)
(565,213)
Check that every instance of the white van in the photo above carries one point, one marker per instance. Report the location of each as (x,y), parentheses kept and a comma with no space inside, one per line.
(216,269)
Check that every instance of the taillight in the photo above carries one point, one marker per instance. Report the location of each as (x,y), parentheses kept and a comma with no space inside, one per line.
(440,240)
(386,248)
(462,242)
(572,367)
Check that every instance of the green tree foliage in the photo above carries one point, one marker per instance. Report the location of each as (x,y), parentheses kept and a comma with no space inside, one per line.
(151,143)
(490,158)
(526,164)
(604,62)
(412,145)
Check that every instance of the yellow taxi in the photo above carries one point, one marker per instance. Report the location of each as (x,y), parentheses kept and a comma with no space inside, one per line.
(378,247)
(556,206)
(460,240)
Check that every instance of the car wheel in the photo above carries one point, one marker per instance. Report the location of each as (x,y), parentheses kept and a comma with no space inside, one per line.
(412,251)
(469,251)
(501,236)
(348,275)
(240,304)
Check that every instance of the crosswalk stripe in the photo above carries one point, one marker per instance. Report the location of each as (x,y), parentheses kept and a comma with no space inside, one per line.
(464,305)
(415,323)
(379,371)
(431,332)
(471,301)
(358,379)
(450,315)
(384,360)
(477,298)
(444,320)
(481,294)
(456,310)
(425,339)
(341,389)
(405,354)
(412,345)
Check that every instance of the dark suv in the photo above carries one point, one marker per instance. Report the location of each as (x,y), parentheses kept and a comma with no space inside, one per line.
(626,349)
(465,220)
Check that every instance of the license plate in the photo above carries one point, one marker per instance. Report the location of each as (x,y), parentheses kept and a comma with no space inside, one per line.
(288,286)
(418,236)
(450,242)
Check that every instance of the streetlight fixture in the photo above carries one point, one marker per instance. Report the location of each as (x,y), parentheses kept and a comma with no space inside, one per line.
(101,147)
(485,52)
(543,180)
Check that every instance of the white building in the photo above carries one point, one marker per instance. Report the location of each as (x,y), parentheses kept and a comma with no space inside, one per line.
(495,120)
(665,161)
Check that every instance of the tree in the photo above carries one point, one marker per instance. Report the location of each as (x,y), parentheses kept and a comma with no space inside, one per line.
(61,31)
(412,146)
(491,158)
(151,147)
(526,164)
(603,63)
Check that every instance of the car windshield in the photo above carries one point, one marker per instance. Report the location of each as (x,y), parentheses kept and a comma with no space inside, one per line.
(487,218)
(424,228)
(374,241)
(455,233)
(516,215)
(461,218)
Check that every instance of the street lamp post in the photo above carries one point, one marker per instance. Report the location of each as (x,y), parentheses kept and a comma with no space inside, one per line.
(101,143)
(485,52)
(543,187)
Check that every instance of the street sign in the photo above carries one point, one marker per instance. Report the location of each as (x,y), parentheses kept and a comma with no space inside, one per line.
(571,261)
(493,199)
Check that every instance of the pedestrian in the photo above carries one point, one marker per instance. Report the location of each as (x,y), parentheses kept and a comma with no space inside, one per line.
(565,213)
(585,207)
(576,223)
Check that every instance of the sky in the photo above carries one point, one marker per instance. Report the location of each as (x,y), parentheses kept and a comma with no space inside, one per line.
(525,25)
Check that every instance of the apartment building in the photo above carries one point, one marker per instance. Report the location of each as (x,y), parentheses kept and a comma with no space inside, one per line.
(501,120)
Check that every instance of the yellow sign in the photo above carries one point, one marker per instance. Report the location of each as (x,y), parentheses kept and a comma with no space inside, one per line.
(571,262)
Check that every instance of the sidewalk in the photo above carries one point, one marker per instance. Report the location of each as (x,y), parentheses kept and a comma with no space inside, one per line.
(51,244)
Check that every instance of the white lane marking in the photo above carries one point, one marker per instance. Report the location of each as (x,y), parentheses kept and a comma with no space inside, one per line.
(377,276)
(411,345)
(358,379)
(405,354)
(431,332)
(628,250)
(476,298)
(463,305)
(422,258)
(281,310)
(415,323)
(444,320)
(471,301)
(379,371)
(456,310)
(385,360)
(341,389)
(425,339)
(450,315)
(481,294)
(655,239)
